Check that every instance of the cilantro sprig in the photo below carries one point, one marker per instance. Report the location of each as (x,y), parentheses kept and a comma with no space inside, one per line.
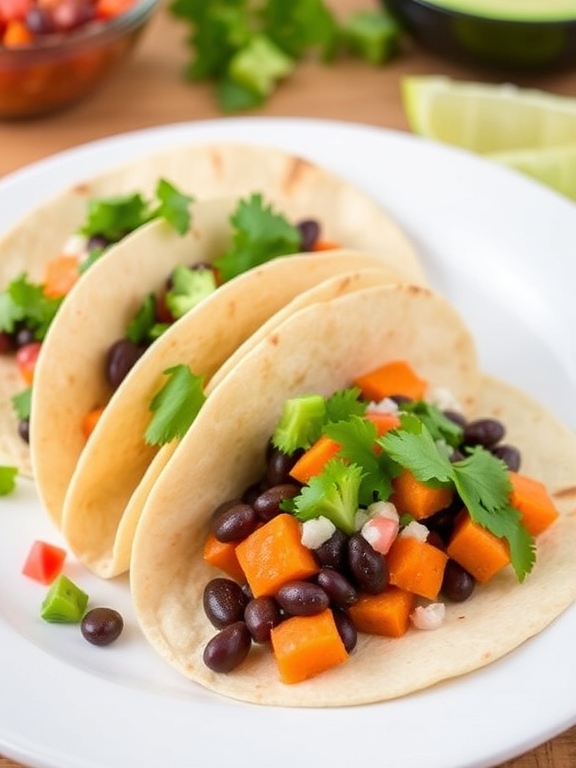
(247,47)
(175,405)
(24,302)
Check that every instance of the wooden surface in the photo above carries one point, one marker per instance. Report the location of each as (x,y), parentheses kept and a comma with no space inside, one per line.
(150,91)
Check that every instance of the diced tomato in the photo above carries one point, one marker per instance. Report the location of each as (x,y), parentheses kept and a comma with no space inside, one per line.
(107,9)
(44,562)
(14,9)
(380,533)
(26,358)
(163,314)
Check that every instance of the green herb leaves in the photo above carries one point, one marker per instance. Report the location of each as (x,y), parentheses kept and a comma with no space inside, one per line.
(26,303)
(246,47)
(260,234)
(7,479)
(175,406)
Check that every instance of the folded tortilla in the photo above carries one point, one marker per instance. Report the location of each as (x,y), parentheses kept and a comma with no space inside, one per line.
(207,171)
(320,349)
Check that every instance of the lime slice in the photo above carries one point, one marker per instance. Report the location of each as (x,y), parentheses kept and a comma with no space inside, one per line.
(554,166)
(487,118)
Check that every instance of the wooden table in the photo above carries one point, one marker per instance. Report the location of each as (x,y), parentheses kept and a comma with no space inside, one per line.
(150,91)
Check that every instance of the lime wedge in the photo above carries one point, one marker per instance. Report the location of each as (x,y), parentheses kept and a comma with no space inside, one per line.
(554,166)
(487,118)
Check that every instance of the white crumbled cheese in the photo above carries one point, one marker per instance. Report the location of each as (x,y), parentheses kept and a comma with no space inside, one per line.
(75,245)
(383,509)
(444,399)
(361,518)
(386,405)
(428,616)
(316,531)
(415,530)
(370,533)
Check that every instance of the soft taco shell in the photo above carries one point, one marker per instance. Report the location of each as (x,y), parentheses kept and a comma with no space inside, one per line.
(297,186)
(321,349)
(103,498)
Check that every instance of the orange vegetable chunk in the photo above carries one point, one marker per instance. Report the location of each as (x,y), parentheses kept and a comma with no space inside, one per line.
(476,549)
(413,497)
(324,245)
(222,555)
(313,461)
(386,614)
(384,422)
(90,420)
(531,498)
(61,274)
(394,378)
(304,646)
(416,566)
(274,554)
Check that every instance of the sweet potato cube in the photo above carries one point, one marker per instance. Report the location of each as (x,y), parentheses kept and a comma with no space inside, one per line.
(386,614)
(274,554)
(313,461)
(394,378)
(304,646)
(416,566)
(531,498)
(222,555)
(476,549)
(413,497)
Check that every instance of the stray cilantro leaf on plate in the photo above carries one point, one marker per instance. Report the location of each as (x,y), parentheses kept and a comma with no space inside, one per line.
(7,479)
(175,406)
(260,234)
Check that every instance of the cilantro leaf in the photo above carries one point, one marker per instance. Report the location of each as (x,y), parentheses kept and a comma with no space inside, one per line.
(260,234)
(357,438)
(7,479)
(439,425)
(116,216)
(343,404)
(301,25)
(413,447)
(139,327)
(22,402)
(26,302)
(174,206)
(175,406)
(332,494)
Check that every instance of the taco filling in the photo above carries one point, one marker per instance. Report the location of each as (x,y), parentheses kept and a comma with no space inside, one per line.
(376,508)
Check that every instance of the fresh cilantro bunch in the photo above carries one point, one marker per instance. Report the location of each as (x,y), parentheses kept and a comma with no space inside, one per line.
(246,47)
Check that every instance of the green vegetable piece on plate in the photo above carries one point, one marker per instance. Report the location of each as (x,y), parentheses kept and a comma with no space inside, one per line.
(65,602)
(189,288)
(7,480)
(300,423)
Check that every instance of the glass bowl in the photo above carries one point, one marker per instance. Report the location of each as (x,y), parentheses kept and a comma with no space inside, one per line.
(504,35)
(59,70)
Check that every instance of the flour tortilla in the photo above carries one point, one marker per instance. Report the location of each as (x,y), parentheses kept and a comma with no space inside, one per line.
(115,470)
(320,349)
(207,171)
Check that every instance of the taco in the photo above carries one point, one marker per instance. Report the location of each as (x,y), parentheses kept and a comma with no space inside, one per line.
(111,475)
(320,349)
(202,171)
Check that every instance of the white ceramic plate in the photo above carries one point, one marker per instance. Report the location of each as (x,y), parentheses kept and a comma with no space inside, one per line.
(502,249)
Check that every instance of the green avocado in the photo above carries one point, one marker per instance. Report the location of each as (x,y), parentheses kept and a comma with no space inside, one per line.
(512,10)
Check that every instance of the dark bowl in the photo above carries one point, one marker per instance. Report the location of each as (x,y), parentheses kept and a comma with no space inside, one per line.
(537,41)
(47,76)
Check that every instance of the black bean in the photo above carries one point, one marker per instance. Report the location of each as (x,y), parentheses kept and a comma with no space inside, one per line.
(309,233)
(235,523)
(455,416)
(122,356)
(346,629)
(228,649)
(24,336)
(24,429)
(278,466)
(509,454)
(485,432)
(302,598)
(457,583)
(98,242)
(339,590)
(334,552)
(267,504)
(101,626)
(252,492)
(261,615)
(223,507)
(224,602)
(368,567)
